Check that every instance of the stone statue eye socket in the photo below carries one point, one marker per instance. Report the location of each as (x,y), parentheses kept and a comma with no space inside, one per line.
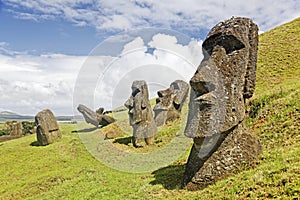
(229,42)
(202,87)
(159,94)
(135,92)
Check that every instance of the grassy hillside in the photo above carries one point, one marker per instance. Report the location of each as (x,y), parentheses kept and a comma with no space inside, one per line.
(66,170)
(278,64)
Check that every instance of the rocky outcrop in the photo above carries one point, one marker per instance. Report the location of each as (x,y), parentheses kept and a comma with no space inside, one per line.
(47,128)
(220,86)
(169,102)
(140,114)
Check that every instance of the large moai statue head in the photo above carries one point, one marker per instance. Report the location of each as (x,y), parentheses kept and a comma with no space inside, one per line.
(224,79)
(170,101)
(140,114)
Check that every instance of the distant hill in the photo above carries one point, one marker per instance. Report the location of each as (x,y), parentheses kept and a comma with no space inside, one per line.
(7,113)
(9,116)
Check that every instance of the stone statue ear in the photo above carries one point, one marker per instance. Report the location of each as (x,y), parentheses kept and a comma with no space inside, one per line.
(250,76)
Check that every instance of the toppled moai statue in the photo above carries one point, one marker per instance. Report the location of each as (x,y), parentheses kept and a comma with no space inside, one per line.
(223,81)
(47,129)
(13,128)
(140,114)
(89,115)
(169,102)
(96,118)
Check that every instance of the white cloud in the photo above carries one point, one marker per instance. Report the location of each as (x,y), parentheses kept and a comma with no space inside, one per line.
(181,15)
(30,83)
(137,43)
(168,62)
(4,44)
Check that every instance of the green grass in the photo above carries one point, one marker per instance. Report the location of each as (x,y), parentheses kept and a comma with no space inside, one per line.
(278,63)
(66,170)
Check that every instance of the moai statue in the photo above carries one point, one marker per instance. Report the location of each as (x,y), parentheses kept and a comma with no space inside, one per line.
(96,118)
(140,114)
(219,88)
(47,130)
(169,102)
(89,115)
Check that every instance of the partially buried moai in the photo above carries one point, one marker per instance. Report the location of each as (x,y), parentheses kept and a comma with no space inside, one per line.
(219,88)
(170,101)
(140,114)
(47,130)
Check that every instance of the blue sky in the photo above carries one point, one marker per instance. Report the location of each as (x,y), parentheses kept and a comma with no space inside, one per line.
(47,35)
(44,44)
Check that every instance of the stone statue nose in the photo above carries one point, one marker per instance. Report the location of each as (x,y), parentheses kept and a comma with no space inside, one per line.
(199,87)
(200,84)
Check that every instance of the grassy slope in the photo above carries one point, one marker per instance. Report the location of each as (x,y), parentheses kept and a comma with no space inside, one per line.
(278,58)
(66,170)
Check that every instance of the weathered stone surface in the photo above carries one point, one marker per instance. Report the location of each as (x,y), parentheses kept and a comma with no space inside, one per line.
(222,82)
(13,128)
(89,115)
(104,120)
(170,101)
(47,128)
(140,114)
(236,149)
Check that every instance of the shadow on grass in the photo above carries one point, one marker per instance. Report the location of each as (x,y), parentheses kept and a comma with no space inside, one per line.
(35,144)
(169,177)
(85,130)
(125,140)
